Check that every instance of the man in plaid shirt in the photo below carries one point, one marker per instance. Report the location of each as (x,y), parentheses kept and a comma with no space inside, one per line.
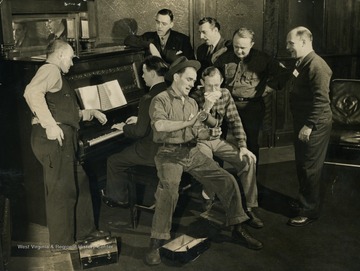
(219,103)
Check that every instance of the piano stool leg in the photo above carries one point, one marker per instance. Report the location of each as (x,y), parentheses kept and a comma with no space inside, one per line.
(134,214)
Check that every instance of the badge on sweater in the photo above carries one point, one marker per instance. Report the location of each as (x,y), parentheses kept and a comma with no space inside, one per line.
(295,73)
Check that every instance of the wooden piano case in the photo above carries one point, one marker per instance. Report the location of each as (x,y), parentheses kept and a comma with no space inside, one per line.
(94,67)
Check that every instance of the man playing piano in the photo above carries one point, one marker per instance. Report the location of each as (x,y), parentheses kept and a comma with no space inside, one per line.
(55,122)
(142,152)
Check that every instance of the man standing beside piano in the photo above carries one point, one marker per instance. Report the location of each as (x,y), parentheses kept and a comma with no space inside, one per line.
(56,117)
(143,151)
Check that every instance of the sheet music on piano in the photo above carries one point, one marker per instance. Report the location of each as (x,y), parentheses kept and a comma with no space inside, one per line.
(104,96)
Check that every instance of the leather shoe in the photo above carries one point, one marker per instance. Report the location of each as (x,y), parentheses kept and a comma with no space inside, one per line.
(300,221)
(153,257)
(254,221)
(240,235)
(113,204)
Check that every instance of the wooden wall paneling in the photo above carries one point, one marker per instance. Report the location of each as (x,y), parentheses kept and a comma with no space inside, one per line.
(283,122)
(233,14)
(306,13)
(271,27)
(318,26)
(283,27)
(202,8)
(191,23)
(199,12)
(339,26)
(356,28)
(92,17)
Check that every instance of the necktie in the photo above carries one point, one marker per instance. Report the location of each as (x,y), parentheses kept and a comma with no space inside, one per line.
(162,42)
(210,49)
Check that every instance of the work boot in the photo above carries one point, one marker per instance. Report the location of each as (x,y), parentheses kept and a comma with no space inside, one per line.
(153,255)
(240,235)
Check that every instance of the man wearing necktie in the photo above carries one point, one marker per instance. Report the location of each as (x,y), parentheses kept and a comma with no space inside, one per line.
(214,44)
(22,37)
(309,87)
(164,42)
(57,29)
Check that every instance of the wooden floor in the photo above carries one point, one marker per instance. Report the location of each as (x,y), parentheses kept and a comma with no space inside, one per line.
(332,243)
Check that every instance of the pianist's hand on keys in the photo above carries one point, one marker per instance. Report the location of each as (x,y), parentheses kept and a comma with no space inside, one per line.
(118,126)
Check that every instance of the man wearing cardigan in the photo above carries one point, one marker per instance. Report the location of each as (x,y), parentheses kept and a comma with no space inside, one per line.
(309,87)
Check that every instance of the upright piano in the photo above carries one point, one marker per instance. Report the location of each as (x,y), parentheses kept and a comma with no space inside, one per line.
(96,142)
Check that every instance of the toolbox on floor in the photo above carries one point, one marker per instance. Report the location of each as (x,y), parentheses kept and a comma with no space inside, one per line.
(98,252)
(185,248)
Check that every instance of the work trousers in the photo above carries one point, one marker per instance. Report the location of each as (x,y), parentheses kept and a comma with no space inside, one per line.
(171,162)
(252,114)
(309,158)
(69,212)
(246,169)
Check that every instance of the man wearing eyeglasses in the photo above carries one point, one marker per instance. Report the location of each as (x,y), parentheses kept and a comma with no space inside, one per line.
(164,42)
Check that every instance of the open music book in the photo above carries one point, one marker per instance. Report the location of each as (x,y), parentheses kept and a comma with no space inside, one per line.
(103,96)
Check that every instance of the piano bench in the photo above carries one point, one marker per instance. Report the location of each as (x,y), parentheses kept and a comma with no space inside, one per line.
(143,182)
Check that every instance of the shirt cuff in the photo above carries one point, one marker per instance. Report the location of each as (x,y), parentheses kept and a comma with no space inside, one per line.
(310,125)
(86,115)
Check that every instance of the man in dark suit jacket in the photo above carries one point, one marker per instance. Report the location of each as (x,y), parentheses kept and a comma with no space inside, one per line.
(214,45)
(57,28)
(143,151)
(22,37)
(309,87)
(164,42)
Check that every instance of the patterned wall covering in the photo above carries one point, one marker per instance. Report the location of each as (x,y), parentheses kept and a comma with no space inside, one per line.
(233,14)
(118,18)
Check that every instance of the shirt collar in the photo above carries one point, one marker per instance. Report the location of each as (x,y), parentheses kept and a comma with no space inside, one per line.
(175,95)
(300,59)
(166,36)
(216,42)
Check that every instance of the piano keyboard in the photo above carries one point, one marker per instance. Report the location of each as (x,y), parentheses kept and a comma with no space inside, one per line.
(104,137)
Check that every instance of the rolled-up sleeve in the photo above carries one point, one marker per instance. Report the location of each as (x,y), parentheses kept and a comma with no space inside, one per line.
(47,79)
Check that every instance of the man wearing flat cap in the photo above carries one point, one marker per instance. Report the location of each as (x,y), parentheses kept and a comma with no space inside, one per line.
(174,120)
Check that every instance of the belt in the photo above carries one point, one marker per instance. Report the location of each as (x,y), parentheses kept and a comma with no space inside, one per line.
(181,145)
(242,99)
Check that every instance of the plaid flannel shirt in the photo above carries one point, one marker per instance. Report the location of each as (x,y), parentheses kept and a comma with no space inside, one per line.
(224,109)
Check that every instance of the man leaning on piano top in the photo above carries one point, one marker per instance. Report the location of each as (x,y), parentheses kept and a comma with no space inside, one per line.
(164,42)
